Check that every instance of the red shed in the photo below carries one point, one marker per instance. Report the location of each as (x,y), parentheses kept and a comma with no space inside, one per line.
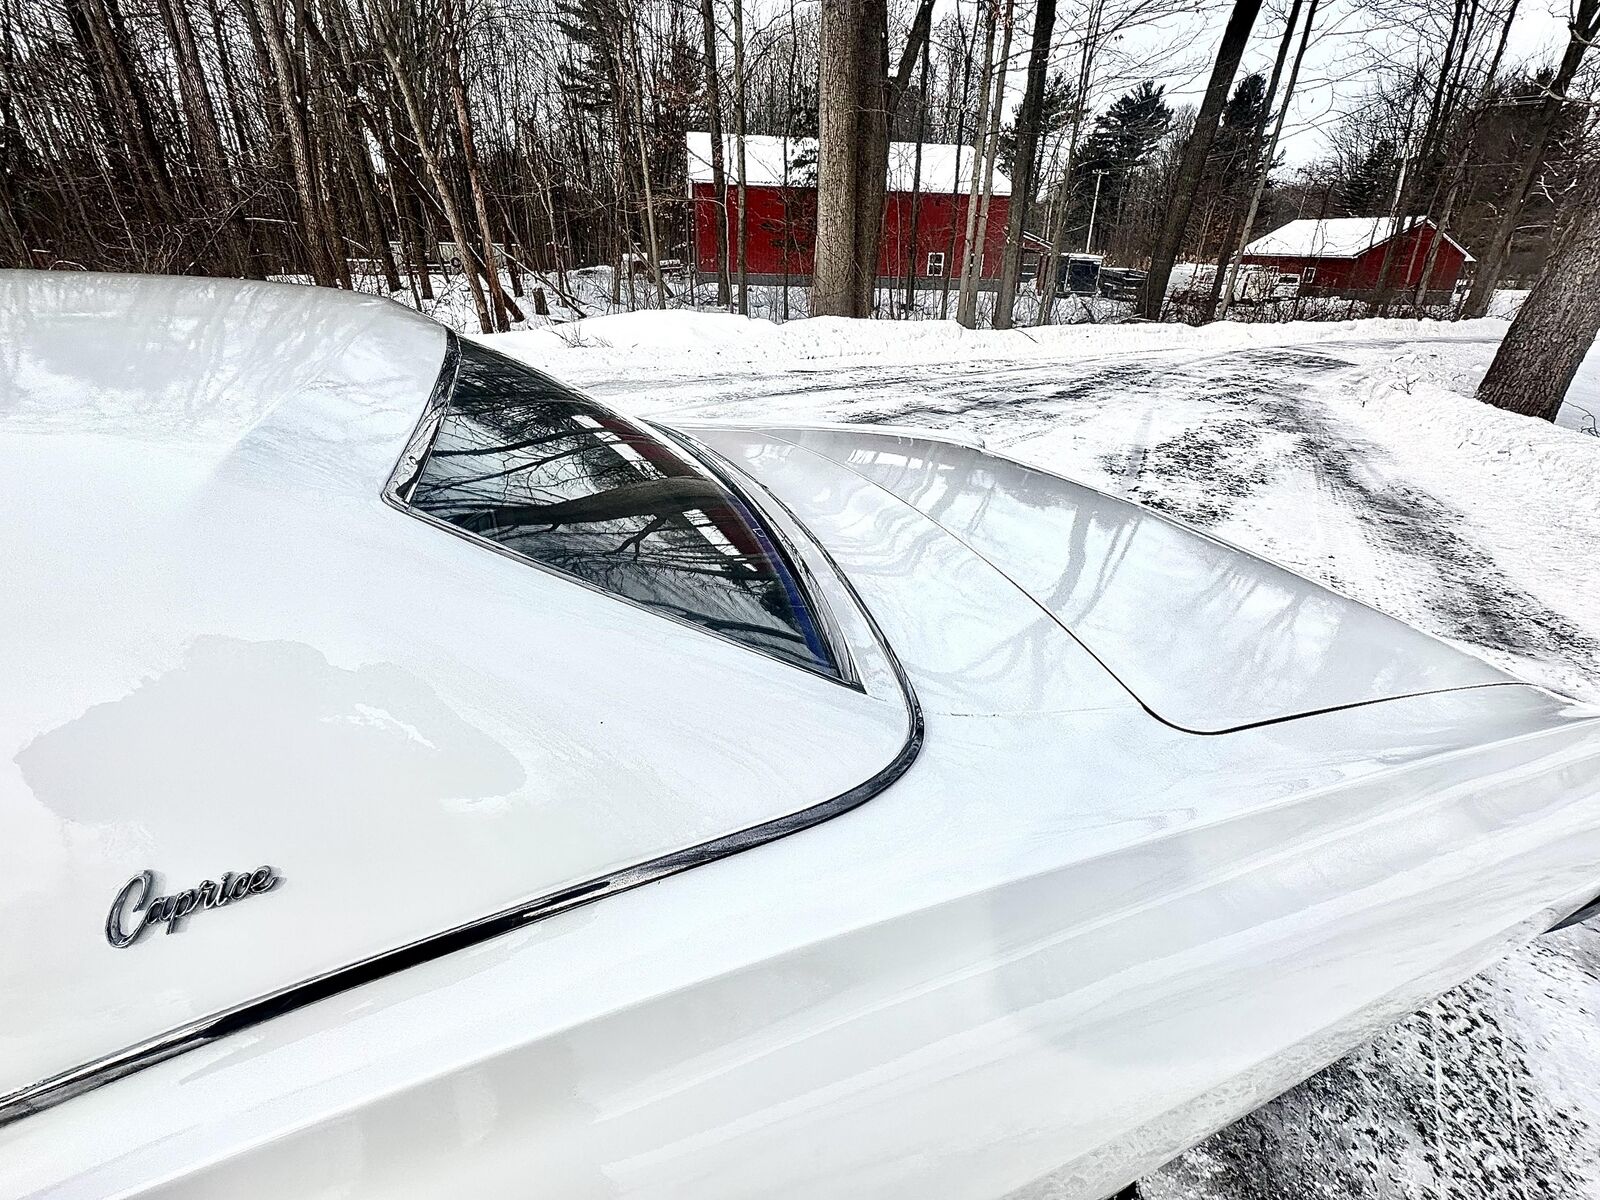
(781,190)
(1355,256)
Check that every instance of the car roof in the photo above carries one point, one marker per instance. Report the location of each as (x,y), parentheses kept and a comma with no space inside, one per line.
(273,378)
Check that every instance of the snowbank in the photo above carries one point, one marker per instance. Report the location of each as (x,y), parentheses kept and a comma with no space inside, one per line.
(684,341)
(1529,486)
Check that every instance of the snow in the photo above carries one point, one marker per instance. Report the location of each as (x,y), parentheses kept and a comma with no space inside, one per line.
(792,162)
(685,340)
(1531,487)
(1337,237)
(1506,302)
(1352,452)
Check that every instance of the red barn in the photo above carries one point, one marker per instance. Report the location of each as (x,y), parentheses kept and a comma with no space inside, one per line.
(1356,256)
(781,189)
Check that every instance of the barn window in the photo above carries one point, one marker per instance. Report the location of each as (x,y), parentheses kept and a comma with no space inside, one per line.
(1307,275)
(935,267)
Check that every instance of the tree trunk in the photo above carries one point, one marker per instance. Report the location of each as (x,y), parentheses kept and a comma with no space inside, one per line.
(430,161)
(1022,186)
(966,304)
(1582,33)
(740,109)
(366,188)
(856,100)
(916,183)
(1272,146)
(1557,323)
(316,236)
(789,205)
(719,175)
(633,81)
(961,138)
(872,151)
(1238,234)
(1058,236)
(991,152)
(833,276)
(505,309)
(880,100)
(1195,151)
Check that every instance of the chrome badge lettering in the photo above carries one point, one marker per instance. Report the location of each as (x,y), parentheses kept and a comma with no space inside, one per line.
(139,895)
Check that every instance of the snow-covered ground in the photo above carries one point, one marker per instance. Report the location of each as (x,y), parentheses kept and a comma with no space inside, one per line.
(587,292)
(1352,452)
(595,291)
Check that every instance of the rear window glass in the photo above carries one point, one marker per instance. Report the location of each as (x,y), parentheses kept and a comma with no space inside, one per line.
(522,461)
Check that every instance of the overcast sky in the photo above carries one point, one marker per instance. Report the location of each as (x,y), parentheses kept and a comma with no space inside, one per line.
(1338,65)
(1338,68)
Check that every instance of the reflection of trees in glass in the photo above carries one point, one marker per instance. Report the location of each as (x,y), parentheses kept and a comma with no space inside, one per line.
(524,462)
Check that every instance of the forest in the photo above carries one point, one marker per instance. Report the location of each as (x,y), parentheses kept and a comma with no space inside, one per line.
(382,144)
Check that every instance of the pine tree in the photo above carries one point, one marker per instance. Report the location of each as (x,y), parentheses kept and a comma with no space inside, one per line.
(1055,114)
(1366,191)
(1122,140)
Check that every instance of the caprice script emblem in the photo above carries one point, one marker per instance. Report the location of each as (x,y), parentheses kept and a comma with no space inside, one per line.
(139,893)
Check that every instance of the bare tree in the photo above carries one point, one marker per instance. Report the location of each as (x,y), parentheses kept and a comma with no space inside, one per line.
(1234,37)
(719,174)
(1557,324)
(1025,173)
(1444,208)
(856,101)
(308,191)
(431,161)
(966,308)
(740,110)
(976,255)
(503,307)
(1238,231)
(1271,151)
(1583,28)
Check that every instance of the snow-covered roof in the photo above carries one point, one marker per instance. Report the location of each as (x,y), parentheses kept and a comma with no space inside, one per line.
(1337,237)
(779,161)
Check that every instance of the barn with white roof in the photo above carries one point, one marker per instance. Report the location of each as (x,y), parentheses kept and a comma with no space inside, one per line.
(924,211)
(1362,257)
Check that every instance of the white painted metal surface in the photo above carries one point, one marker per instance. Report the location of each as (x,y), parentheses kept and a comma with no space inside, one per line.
(224,650)
(1069,941)
(1134,589)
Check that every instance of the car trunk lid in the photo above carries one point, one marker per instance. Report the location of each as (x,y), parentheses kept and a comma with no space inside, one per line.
(1207,637)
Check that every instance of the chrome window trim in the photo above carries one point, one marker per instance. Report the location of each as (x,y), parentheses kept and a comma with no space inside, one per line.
(414,455)
(414,460)
(65,1085)
(762,501)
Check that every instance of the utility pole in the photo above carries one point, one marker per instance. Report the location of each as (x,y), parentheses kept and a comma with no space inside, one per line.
(1094,209)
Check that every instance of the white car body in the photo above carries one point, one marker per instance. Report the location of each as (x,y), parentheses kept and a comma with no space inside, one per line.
(1111,833)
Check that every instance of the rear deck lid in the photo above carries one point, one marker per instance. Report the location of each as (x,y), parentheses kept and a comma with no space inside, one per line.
(1208,637)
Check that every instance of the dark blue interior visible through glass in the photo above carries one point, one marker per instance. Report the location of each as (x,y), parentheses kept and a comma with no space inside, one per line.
(534,466)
